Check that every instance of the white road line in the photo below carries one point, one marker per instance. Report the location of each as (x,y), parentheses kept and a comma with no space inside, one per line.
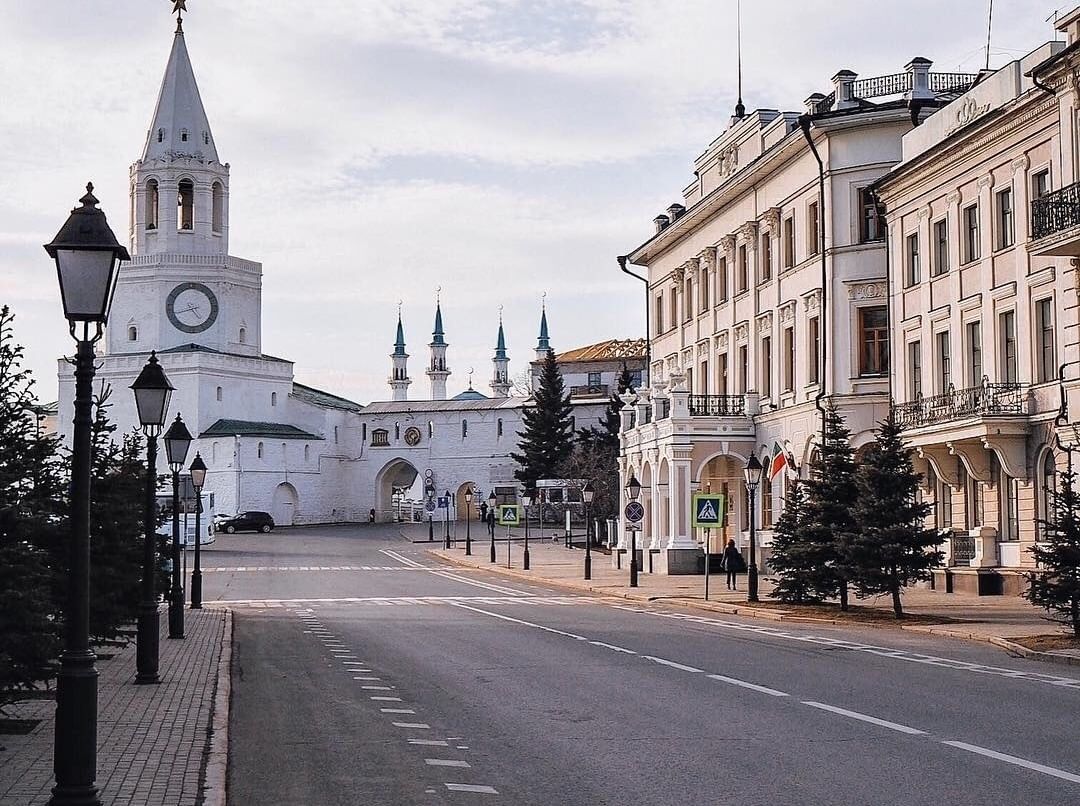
(446,762)
(613,647)
(1019,762)
(377,688)
(478,584)
(429,742)
(752,686)
(393,555)
(873,720)
(483,790)
(520,621)
(385,699)
(397,710)
(366,678)
(417,725)
(672,664)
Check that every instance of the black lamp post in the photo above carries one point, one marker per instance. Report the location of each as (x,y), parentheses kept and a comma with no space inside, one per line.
(633,492)
(526,502)
(752,476)
(152,392)
(177,442)
(491,521)
(87,257)
(198,479)
(468,521)
(587,496)
(446,537)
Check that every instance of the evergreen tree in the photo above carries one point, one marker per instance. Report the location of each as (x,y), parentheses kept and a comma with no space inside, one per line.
(547,436)
(1055,586)
(787,547)
(891,548)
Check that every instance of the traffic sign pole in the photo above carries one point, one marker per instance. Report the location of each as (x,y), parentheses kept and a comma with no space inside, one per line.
(706,565)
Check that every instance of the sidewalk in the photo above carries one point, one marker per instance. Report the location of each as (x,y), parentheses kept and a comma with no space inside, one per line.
(161,744)
(993,619)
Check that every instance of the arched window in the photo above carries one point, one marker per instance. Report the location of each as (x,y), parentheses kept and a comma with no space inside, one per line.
(218,217)
(430,429)
(1047,492)
(273,398)
(213,453)
(464,428)
(397,431)
(160,135)
(219,393)
(307,452)
(335,435)
(152,204)
(185,205)
(284,451)
(363,432)
(133,333)
(259,450)
(498,428)
(766,501)
(243,335)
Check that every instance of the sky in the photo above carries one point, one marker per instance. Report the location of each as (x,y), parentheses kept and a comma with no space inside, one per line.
(502,150)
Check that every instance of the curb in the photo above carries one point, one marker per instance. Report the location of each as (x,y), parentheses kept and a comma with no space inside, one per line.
(760,613)
(217,755)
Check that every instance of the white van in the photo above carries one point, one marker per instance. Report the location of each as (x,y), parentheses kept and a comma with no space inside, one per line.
(187,519)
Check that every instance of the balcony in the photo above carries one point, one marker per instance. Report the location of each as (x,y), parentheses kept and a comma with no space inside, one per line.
(1055,222)
(987,400)
(717,405)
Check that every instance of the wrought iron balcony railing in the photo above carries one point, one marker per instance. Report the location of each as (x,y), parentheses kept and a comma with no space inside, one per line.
(897,83)
(987,400)
(717,406)
(1055,212)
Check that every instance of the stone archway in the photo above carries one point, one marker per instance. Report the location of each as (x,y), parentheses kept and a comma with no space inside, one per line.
(286,505)
(396,475)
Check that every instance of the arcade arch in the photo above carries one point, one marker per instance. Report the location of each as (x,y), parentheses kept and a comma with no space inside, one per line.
(396,475)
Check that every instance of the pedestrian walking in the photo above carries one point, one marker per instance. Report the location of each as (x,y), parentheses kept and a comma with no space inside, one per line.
(733,563)
(483,511)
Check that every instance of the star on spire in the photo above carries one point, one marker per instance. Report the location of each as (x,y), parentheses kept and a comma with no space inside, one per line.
(178,7)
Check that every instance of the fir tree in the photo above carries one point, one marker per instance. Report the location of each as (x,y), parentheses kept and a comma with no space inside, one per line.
(1055,586)
(891,548)
(547,434)
(787,547)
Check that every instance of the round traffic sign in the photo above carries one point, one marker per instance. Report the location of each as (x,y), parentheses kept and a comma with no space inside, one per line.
(634,512)
(430,506)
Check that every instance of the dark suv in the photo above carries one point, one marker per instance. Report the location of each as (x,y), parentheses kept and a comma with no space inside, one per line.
(246,521)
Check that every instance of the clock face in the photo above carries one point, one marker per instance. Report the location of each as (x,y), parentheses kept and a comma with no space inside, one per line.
(191,307)
(412,436)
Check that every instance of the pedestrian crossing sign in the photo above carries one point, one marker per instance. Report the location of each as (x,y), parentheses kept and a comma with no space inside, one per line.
(509,515)
(708,511)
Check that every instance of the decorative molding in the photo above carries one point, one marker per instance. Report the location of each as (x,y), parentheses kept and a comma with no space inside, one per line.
(985,181)
(787,312)
(702,349)
(911,323)
(924,212)
(692,265)
(873,290)
(679,272)
(1041,277)
(764,324)
(688,356)
(1003,291)
(748,232)
(742,332)
(708,258)
(953,198)
(970,303)
(771,220)
(967,111)
(1021,163)
(721,339)
(728,162)
(939,314)
(812,300)
(727,244)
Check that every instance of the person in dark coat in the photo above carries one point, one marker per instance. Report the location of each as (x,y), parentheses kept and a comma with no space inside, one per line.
(733,563)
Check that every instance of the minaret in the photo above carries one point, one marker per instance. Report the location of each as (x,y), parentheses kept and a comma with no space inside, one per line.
(543,347)
(438,371)
(399,372)
(500,381)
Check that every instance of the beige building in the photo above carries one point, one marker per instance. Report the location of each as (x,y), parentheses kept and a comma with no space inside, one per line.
(984,231)
(746,337)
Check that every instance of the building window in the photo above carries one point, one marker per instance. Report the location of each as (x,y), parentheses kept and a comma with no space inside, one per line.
(744,367)
(703,288)
(594,379)
(912,269)
(430,429)
(789,359)
(1044,333)
(659,314)
(721,280)
(871,221)
(336,435)
(133,333)
(243,335)
(307,452)
(635,379)
(1040,183)
(766,502)
(498,428)
(788,236)
(464,428)
(941,247)
(914,356)
(1048,491)
(1007,335)
(363,432)
(689,373)
(813,230)
(152,199)
(721,374)
(1006,220)
(219,207)
(218,394)
(814,350)
(766,366)
(380,437)
(273,398)
(397,432)
(943,359)
(1009,506)
(703,373)
(974,347)
(688,299)
(673,304)
(183,135)
(160,135)
(185,205)
(741,279)
(874,340)
(259,450)
(766,256)
(971,233)
(944,505)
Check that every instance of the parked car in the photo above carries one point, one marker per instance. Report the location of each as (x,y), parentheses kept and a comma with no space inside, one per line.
(246,521)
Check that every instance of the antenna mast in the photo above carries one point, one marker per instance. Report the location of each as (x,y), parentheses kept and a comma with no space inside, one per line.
(740,110)
(989,26)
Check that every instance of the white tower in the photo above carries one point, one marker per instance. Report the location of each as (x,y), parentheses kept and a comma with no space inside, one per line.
(500,381)
(437,372)
(399,373)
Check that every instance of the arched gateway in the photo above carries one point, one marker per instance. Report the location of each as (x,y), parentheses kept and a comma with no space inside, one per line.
(397,475)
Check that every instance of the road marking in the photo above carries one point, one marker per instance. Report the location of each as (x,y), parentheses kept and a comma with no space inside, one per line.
(613,647)
(873,720)
(385,699)
(483,790)
(366,678)
(446,762)
(520,621)
(429,742)
(752,686)
(417,725)
(397,710)
(478,584)
(377,688)
(1019,762)
(401,558)
(672,664)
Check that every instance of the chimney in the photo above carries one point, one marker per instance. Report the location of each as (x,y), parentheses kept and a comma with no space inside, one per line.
(1069,24)
(675,212)
(919,70)
(661,222)
(812,103)
(844,82)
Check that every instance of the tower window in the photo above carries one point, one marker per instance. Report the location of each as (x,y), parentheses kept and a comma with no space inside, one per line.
(183,135)
(133,333)
(430,429)
(498,428)
(464,428)
(218,217)
(160,135)
(273,398)
(152,204)
(219,393)
(206,138)
(243,335)
(397,431)
(307,452)
(185,205)
(260,450)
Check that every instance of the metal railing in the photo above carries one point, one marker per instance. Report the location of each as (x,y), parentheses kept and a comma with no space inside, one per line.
(592,390)
(897,83)
(1055,212)
(882,85)
(717,406)
(987,400)
(961,548)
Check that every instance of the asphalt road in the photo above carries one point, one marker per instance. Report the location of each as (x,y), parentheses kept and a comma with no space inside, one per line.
(367,673)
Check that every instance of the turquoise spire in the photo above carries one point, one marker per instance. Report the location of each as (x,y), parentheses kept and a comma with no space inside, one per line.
(399,343)
(500,345)
(437,334)
(543,343)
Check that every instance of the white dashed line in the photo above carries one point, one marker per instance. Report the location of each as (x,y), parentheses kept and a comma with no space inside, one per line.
(446,762)
(752,686)
(365,678)
(672,664)
(1019,762)
(377,688)
(483,790)
(397,710)
(520,621)
(416,725)
(613,647)
(429,742)
(873,720)
(385,699)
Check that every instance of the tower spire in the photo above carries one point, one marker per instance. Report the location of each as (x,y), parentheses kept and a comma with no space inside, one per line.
(500,379)
(437,371)
(399,370)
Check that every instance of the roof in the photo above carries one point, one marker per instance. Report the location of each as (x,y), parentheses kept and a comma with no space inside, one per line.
(318,397)
(399,341)
(437,334)
(192,347)
(179,115)
(470,394)
(250,428)
(610,350)
(420,406)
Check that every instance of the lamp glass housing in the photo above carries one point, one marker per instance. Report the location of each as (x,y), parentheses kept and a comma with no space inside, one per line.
(633,488)
(198,472)
(87,279)
(177,442)
(752,471)
(588,492)
(468,495)
(152,393)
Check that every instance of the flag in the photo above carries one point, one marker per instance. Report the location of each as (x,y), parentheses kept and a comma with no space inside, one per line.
(779,461)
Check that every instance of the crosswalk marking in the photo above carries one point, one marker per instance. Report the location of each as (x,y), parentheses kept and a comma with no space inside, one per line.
(407,601)
(220,569)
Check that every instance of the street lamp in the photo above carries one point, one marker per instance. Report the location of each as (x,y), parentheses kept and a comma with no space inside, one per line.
(633,492)
(468,521)
(752,476)
(491,521)
(198,479)
(526,502)
(587,496)
(446,538)
(152,392)
(87,257)
(177,441)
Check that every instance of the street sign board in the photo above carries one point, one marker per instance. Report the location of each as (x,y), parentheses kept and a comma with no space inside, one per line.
(509,515)
(708,511)
(634,512)
(444,502)
(430,505)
